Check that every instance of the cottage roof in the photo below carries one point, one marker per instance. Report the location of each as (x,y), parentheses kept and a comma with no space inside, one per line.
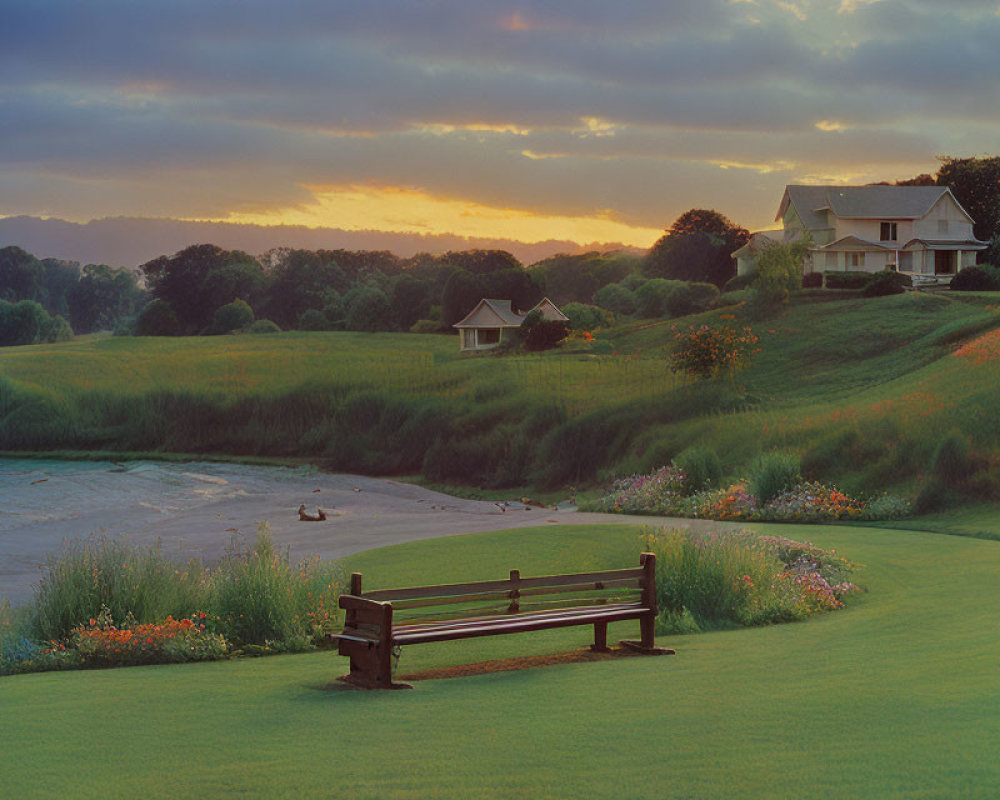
(494,313)
(758,242)
(947,244)
(812,203)
(853,242)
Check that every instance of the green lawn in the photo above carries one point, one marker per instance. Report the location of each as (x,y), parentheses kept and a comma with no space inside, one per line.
(898,695)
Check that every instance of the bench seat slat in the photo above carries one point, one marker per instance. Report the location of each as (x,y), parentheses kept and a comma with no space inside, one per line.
(513,625)
(476,620)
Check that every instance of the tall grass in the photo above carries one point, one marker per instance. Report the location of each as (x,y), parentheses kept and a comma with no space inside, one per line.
(103,572)
(259,598)
(738,578)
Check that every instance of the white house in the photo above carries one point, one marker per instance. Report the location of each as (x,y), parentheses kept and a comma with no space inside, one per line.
(919,230)
(483,327)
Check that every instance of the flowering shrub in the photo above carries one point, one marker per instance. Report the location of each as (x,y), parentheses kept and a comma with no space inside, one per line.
(20,654)
(705,351)
(744,579)
(641,494)
(662,492)
(102,643)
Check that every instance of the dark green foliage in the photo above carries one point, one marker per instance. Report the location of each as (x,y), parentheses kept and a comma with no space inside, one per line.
(616,298)
(933,496)
(102,297)
(411,300)
(21,275)
(21,323)
(518,286)
(982,278)
(652,297)
(812,280)
(537,333)
(587,318)
(367,309)
(691,298)
(975,182)
(774,473)
(886,283)
(301,280)
(55,329)
(576,278)
(157,319)
(738,282)
(951,464)
(460,295)
(201,278)
(234,316)
(701,467)
(264,326)
(697,247)
(846,280)
(313,320)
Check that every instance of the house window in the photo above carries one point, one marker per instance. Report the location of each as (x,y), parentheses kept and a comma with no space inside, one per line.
(468,338)
(489,336)
(855,260)
(888,232)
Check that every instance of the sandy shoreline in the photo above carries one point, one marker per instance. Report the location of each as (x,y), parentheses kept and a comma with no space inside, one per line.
(194,509)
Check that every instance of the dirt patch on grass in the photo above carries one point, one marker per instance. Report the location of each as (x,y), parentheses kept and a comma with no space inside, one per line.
(523,662)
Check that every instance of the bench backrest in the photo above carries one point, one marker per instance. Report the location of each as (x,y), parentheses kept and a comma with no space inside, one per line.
(514,595)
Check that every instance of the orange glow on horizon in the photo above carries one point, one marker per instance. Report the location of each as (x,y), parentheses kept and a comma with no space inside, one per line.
(401,210)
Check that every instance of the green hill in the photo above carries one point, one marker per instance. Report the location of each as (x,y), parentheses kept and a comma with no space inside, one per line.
(862,389)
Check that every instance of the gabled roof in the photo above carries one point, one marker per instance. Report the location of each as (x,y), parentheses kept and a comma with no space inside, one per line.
(947,244)
(853,242)
(862,202)
(492,313)
(759,241)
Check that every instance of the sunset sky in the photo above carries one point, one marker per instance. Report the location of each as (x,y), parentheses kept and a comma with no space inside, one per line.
(571,119)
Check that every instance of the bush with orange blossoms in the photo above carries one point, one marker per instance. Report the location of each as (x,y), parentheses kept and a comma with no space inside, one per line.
(102,643)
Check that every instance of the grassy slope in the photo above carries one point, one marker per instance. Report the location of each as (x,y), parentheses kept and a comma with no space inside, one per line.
(880,370)
(897,696)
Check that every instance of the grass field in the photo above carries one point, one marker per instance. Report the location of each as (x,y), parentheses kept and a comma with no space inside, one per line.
(896,696)
(862,389)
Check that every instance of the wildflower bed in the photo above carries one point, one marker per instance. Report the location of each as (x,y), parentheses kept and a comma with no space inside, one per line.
(665,491)
(707,580)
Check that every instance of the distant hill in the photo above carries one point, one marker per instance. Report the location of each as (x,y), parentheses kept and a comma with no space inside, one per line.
(130,241)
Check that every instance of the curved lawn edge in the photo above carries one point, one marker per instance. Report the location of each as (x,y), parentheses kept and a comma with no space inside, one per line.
(894,696)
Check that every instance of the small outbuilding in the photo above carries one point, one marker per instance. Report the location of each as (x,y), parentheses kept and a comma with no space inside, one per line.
(483,327)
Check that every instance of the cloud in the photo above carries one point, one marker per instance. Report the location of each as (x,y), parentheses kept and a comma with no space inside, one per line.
(631,112)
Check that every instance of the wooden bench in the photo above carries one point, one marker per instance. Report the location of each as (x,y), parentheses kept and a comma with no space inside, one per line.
(381,620)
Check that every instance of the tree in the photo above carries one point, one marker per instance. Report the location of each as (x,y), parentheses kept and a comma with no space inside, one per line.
(516,285)
(461,293)
(697,247)
(975,182)
(410,300)
(157,319)
(481,262)
(103,296)
(367,309)
(21,323)
(301,280)
(779,273)
(233,316)
(538,333)
(921,180)
(616,298)
(21,275)
(199,279)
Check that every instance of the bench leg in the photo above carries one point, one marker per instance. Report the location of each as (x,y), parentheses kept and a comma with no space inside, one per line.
(600,644)
(647,641)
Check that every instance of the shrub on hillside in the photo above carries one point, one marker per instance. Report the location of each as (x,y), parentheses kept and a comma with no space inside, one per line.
(691,298)
(157,319)
(738,282)
(887,282)
(55,329)
(701,467)
(264,326)
(846,280)
(705,351)
(616,298)
(584,317)
(538,333)
(652,297)
(812,280)
(981,278)
(234,316)
(426,326)
(774,473)
(312,319)
(951,464)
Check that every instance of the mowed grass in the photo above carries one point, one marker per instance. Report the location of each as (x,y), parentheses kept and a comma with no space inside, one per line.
(898,695)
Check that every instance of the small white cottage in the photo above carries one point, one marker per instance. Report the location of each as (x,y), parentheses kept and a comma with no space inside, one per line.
(483,327)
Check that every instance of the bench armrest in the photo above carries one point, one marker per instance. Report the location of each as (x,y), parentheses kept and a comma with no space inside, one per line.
(351,602)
